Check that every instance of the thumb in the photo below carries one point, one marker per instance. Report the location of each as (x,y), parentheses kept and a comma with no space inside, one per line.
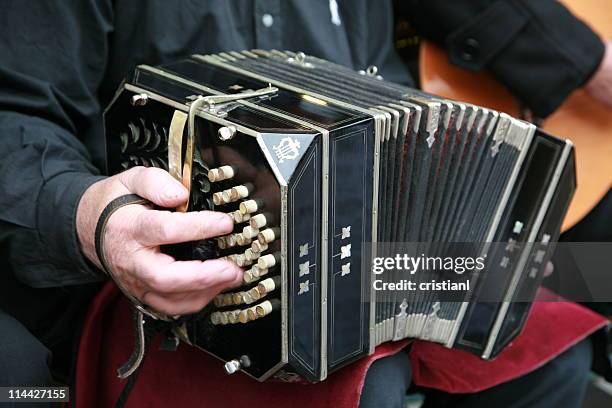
(156,185)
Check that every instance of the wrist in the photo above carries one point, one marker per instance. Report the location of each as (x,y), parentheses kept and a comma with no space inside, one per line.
(88,212)
(599,85)
(86,215)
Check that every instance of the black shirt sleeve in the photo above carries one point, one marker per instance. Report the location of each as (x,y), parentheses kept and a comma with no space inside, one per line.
(536,48)
(52,59)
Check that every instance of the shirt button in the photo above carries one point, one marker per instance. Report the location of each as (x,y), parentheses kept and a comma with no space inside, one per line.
(470,50)
(267,20)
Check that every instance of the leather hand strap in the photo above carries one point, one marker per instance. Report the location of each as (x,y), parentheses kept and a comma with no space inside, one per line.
(113,206)
(144,329)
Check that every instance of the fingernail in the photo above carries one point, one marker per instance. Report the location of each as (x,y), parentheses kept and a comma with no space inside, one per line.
(172,191)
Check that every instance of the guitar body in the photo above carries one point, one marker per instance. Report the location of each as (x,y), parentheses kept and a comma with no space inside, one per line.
(581,119)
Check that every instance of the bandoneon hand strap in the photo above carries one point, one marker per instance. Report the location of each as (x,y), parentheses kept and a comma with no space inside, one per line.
(109,210)
(142,334)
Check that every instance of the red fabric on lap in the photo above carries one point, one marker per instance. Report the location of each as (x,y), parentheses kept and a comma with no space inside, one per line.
(189,377)
(552,328)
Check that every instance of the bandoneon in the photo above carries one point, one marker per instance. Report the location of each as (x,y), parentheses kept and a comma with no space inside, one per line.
(313,161)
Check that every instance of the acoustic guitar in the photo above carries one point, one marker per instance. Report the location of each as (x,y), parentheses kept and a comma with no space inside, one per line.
(581,119)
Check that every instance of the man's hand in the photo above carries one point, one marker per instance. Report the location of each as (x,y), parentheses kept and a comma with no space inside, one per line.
(135,232)
(600,85)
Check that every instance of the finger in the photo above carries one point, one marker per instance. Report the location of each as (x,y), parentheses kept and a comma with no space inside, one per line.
(165,227)
(164,276)
(181,303)
(173,307)
(155,185)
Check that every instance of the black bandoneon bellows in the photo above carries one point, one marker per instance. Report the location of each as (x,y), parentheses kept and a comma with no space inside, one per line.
(312,160)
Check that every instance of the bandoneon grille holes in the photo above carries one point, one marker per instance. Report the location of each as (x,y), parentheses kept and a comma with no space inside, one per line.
(312,160)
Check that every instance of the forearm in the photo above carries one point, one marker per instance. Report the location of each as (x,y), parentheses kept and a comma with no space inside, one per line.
(53,60)
(43,174)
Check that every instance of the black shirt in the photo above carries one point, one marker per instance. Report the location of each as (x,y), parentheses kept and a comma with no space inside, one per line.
(61,62)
